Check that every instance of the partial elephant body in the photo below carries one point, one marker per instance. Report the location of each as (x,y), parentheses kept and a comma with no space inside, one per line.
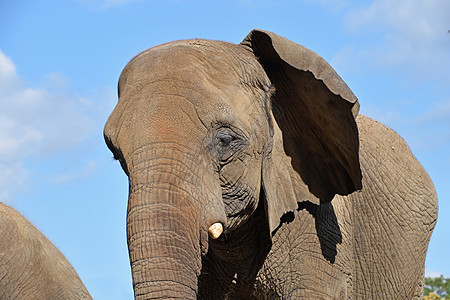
(252,176)
(366,245)
(31,267)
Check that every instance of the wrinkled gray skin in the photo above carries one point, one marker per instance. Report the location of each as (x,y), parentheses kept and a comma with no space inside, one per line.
(265,138)
(31,267)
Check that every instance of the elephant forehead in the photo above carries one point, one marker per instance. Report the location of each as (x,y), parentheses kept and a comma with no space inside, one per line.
(195,62)
(219,79)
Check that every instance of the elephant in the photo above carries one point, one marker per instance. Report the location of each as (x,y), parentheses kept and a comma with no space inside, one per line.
(252,176)
(31,267)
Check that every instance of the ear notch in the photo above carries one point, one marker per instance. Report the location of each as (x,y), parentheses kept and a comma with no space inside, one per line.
(315,112)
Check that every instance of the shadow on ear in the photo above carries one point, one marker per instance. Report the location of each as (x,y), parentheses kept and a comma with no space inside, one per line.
(315,142)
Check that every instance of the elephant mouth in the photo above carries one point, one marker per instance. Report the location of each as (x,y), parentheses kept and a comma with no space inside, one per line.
(239,240)
(239,203)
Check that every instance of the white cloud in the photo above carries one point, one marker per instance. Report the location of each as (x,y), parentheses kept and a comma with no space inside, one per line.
(12,177)
(56,81)
(7,67)
(81,173)
(431,129)
(410,35)
(386,117)
(433,274)
(405,45)
(439,113)
(36,122)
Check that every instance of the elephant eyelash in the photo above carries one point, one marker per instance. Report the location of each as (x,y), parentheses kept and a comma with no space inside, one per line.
(116,157)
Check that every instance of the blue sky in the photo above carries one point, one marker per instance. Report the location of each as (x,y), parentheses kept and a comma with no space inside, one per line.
(59,65)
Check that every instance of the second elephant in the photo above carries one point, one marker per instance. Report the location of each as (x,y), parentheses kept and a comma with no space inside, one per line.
(31,267)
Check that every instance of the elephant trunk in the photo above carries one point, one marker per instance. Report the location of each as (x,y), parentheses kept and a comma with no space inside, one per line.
(163,257)
(165,229)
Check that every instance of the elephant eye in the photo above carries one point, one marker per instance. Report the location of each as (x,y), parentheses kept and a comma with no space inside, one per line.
(227,143)
(224,139)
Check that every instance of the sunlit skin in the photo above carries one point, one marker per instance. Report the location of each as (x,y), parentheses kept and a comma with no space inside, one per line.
(252,176)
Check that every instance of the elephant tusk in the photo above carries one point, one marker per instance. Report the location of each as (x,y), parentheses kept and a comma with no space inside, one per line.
(215,230)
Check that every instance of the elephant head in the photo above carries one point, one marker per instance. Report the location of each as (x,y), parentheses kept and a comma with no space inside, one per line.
(208,132)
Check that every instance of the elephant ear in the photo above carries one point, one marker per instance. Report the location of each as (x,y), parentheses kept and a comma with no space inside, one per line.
(314,153)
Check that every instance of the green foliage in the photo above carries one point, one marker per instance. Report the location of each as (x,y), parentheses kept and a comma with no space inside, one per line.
(437,288)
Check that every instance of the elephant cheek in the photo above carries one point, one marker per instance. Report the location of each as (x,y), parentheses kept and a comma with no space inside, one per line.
(240,188)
